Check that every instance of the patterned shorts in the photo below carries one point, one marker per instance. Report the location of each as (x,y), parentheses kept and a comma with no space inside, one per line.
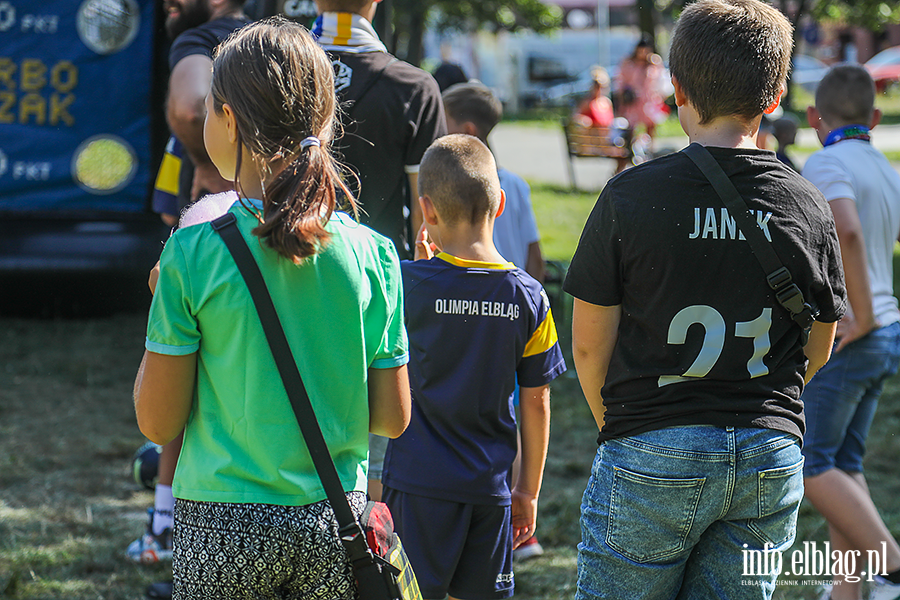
(256,551)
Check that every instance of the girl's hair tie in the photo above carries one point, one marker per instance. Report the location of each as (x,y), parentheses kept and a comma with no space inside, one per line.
(310,141)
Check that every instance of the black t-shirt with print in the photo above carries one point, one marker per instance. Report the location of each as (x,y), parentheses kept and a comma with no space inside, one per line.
(202,39)
(702,339)
(392,112)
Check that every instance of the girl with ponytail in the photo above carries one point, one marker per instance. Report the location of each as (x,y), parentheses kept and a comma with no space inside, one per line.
(251,518)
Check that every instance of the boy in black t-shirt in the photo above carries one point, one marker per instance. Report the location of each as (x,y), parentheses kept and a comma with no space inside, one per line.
(392,112)
(691,367)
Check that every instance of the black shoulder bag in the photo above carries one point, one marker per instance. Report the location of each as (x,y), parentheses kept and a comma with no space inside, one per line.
(778,277)
(379,562)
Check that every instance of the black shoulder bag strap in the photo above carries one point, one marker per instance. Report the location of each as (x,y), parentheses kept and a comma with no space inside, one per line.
(350,531)
(779,278)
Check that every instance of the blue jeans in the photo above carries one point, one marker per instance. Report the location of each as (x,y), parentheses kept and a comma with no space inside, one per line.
(841,399)
(670,513)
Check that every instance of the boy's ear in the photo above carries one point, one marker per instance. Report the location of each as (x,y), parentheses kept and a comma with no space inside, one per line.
(469,128)
(502,204)
(813,117)
(429,215)
(230,123)
(771,108)
(876,118)
(680,97)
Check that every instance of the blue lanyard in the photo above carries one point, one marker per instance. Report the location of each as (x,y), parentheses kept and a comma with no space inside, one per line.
(848,132)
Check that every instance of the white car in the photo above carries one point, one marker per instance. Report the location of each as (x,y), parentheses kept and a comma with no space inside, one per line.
(807,72)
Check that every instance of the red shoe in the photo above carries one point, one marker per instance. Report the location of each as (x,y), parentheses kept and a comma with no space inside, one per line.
(528,549)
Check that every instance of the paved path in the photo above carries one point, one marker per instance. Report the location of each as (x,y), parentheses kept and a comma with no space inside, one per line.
(538,153)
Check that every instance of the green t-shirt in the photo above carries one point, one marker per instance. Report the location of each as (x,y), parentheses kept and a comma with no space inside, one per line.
(342,312)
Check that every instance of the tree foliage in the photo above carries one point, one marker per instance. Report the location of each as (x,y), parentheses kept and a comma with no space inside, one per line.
(410,18)
(871,14)
(874,15)
(510,15)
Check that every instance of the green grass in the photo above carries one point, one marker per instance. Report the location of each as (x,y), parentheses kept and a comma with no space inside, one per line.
(68,507)
(561,213)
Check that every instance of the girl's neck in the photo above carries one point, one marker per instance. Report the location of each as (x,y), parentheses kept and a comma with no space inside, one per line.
(251,178)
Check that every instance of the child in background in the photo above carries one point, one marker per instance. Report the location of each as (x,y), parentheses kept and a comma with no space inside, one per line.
(863,192)
(472,108)
(784,130)
(640,87)
(596,110)
(476,322)
(251,518)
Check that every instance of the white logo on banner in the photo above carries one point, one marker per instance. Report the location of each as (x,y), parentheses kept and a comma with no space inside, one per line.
(108,26)
(7,16)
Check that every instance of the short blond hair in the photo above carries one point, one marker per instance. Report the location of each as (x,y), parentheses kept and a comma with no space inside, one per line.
(600,77)
(459,175)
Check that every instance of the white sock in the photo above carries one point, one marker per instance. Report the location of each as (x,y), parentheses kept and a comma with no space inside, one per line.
(163,509)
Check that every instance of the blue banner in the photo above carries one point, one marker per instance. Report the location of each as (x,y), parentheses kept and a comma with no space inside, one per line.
(75,90)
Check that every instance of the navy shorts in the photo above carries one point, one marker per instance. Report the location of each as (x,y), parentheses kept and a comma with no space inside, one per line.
(464,550)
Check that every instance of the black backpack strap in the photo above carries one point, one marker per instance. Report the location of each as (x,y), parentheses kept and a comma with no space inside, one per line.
(350,531)
(778,277)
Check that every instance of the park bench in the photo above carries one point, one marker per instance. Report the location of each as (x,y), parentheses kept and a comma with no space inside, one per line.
(595,142)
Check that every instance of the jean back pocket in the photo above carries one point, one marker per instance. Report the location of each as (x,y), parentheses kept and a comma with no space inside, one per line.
(650,518)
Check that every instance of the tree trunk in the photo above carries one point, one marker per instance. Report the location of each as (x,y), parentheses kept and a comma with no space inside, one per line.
(415,46)
(384,24)
(647,19)
(787,100)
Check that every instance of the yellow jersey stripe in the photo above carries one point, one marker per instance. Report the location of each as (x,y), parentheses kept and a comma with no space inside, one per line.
(473,264)
(167,178)
(543,338)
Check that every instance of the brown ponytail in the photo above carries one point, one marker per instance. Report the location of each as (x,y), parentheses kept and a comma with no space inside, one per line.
(280,85)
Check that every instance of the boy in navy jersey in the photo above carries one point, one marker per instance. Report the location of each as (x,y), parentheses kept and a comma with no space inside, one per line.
(475,323)
(692,368)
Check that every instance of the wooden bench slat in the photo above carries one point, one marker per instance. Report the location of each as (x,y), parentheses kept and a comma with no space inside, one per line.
(591,142)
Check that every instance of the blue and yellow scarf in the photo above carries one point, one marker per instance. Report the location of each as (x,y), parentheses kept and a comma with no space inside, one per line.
(346,32)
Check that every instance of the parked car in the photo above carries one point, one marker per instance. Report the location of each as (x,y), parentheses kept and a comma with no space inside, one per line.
(807,72)
(571,88)
(885,68)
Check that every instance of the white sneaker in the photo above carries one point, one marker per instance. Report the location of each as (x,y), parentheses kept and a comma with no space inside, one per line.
(882,589)
(150,548)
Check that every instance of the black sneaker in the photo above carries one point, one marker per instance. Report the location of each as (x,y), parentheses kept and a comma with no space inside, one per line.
(161,590)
